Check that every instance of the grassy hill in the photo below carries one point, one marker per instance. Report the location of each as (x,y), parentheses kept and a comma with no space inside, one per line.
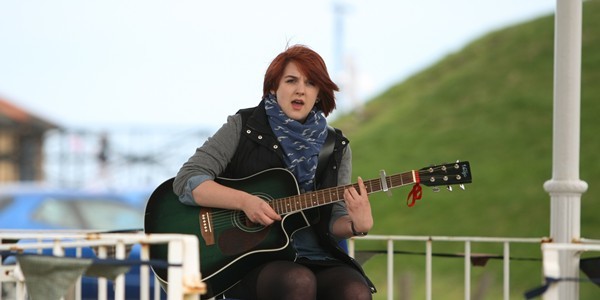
(492,104)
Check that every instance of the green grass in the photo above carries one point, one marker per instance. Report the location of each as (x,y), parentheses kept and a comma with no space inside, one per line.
(492,104)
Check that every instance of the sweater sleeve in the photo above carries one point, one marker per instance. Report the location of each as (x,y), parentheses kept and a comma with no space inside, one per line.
(209,160)
(344,178)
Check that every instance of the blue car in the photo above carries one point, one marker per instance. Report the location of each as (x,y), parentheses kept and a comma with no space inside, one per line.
(30,207)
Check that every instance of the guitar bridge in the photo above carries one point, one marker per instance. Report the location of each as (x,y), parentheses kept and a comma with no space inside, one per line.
(206,226)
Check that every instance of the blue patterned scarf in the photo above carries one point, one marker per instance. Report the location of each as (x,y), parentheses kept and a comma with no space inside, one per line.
(301,142)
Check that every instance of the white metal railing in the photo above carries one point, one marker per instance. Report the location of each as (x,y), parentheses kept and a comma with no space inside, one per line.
(552,263)
(428,241)
(184,276)
(183,271)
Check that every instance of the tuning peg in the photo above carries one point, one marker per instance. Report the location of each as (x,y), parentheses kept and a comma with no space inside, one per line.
(462,187)
(435,189)
(449,188)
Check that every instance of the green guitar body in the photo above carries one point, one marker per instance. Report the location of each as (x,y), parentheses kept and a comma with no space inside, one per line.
(233,246)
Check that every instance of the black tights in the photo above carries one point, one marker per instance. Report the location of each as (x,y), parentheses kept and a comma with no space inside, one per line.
(291,281)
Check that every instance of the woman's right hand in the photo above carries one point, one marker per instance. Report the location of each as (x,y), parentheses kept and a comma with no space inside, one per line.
(212,194)
(259,211)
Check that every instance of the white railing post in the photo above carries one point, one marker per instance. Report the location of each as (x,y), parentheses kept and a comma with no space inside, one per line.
(175,274)
(78,253)
(390,268)
(102,282)
(144,273)
(191,269)
(428,269)
(506,268)
(119,283)
(467,270)
(565,187)
(157,288)
(551,259)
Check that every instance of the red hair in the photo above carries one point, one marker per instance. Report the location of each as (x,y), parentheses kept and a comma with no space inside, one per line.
(312,66)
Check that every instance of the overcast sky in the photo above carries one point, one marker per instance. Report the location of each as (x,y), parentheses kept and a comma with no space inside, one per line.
(191,63)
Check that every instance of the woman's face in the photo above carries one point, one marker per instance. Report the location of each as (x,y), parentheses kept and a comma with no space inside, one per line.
(296,94)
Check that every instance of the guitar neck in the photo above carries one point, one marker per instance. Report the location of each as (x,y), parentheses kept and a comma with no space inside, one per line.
(330,195)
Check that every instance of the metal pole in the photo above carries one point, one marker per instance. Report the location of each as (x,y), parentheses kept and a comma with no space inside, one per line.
(428,266)
(565,187)
(506,267)
(390,269)
(467,265)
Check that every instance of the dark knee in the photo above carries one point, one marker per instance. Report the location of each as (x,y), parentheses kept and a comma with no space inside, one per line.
(355,291)
(294,283)
(301,278)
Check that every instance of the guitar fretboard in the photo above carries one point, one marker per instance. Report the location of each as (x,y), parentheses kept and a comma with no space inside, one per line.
(330,195)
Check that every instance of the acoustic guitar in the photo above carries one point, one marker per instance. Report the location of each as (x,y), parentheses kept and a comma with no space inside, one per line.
(231,245)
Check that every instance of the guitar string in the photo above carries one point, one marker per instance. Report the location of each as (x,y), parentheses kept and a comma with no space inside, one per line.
(295,203)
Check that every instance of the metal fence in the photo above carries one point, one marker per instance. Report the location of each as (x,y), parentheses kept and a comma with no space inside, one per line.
(428,242)
(184,265)
(183,260)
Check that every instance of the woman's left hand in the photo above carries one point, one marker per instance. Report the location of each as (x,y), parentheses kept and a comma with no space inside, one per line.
(359,207)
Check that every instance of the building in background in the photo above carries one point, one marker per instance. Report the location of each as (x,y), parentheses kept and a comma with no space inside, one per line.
(21,143)
(38,151)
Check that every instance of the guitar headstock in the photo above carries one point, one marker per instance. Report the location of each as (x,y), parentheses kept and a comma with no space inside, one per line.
(446,174)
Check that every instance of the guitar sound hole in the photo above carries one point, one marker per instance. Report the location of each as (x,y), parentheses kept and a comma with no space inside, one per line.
(242,222)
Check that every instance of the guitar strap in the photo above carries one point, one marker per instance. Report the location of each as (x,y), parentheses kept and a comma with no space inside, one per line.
(325,153)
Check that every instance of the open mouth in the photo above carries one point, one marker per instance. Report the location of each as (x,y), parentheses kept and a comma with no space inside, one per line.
(297,104)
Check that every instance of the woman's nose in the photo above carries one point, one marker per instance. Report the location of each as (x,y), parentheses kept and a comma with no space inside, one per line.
(300,89)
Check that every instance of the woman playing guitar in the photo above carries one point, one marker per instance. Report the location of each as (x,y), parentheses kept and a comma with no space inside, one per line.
(286,130)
